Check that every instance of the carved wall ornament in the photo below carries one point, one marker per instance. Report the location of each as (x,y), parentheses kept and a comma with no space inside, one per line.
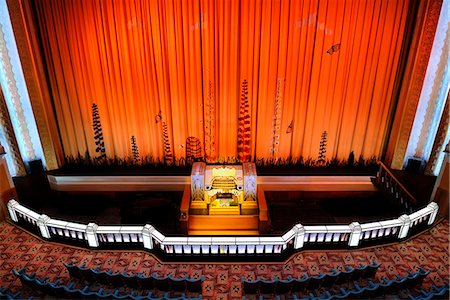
(5,123)
(438,146)
(11,85)
(412,90)
(38,94)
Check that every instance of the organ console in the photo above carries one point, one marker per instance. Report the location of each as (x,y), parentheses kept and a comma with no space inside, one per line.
(223,200)
(223,190)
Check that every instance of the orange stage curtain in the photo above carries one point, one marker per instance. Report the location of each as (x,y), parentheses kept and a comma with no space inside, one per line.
(163,71)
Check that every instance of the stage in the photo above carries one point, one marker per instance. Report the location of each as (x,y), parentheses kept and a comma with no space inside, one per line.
(155,199)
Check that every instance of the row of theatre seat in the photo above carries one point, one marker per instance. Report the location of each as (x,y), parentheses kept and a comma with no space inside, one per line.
(96,285)
(372,290)
(441,292)
(8,295)
(306,287)
(436,292)
(138,281)
(61,291)
(280,286)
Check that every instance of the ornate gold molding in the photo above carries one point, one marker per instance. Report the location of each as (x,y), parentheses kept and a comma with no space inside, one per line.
(38,93)
(439,140)
(434,95)
(412,84)
(16,105)
(5,121)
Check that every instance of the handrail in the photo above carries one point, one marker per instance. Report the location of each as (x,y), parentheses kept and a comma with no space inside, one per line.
(294,239)
(403,188)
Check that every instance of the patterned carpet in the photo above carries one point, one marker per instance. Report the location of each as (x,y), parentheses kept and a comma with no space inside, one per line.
(19,249)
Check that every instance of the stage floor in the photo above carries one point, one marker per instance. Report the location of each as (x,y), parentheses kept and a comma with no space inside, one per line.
(326,208)
(161,209)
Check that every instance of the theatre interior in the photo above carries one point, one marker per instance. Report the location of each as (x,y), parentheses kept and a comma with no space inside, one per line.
(224,149)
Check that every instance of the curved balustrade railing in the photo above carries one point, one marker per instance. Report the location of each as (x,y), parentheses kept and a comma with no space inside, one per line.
(27,216)
(64,229)
(148,237)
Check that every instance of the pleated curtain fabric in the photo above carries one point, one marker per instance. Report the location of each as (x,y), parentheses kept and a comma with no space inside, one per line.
(253,79)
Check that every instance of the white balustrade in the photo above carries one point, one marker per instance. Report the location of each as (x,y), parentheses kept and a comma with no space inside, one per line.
(64,229)
(381,229)
(389,228)
(91,235)
(120,234)
(222,244)
(298,231)
(147,232)
(199,244)
(355,235)
(270,243)
(12,207)
(21,212)
(325,233)
(42,223)
(290,235)
(427,213)
(150,238)
(406,221)
(175,242)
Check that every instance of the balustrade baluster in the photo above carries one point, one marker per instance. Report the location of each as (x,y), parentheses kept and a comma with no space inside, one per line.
(268,249)
(196,249)
(214,249)
(307,237)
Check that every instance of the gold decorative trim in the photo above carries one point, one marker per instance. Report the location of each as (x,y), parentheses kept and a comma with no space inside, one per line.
(411,92)
(44,120)
(438,145)
(434,96)
(5,122)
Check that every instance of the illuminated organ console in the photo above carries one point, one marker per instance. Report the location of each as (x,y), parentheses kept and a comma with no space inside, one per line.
(223,201)
(223,190)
